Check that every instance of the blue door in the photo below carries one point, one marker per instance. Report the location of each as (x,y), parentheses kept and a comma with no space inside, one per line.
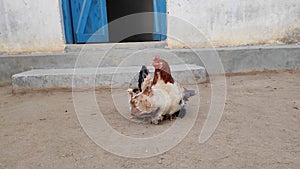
(85,21)
(160,21)
(89,21)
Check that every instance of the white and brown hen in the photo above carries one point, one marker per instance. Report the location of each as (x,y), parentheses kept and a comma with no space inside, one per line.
(159,98)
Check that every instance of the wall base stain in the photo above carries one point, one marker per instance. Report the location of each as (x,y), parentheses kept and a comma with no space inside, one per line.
(291,37)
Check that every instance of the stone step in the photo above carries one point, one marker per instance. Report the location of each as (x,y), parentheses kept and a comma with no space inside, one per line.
(105,46)
(115,77)
(234,59)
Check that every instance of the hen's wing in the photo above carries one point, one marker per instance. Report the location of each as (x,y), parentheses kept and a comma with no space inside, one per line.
(145,106)
(140,102)
(186,95)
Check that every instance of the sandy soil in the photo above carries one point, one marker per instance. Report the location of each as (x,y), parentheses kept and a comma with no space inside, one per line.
(260,128)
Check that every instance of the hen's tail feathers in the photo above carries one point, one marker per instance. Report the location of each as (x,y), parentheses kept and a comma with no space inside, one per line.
(188,94)
(182,112)
(142,76)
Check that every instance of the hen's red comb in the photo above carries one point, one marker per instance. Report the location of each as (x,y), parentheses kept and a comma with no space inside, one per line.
(156,58)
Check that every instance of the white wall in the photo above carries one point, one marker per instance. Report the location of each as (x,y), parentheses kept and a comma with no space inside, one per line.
(36,26)
(30,26)
(235,22)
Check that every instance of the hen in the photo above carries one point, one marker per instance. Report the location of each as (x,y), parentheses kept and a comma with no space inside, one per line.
(160,97)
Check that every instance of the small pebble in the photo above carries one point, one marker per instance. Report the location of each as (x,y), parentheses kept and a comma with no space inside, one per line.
(160,160)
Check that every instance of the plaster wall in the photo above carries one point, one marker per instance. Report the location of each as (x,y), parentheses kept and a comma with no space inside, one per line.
(30,26)
(234,22)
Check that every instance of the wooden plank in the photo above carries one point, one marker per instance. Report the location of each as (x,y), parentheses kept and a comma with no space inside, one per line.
(83,15)
(160,20)
(90,21)
(67,19)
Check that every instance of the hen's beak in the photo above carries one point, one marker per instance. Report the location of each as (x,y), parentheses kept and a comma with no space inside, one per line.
(154,64)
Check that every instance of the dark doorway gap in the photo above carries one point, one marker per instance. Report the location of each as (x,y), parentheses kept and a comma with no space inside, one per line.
(119,8)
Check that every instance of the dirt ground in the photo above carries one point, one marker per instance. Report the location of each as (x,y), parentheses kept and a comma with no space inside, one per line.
(260,128)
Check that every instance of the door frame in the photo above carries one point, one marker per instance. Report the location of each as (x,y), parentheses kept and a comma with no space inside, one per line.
(67,22)
(160,19)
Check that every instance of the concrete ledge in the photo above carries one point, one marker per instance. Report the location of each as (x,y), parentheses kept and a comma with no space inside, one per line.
(234,59)
(92,77)
(105,46)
